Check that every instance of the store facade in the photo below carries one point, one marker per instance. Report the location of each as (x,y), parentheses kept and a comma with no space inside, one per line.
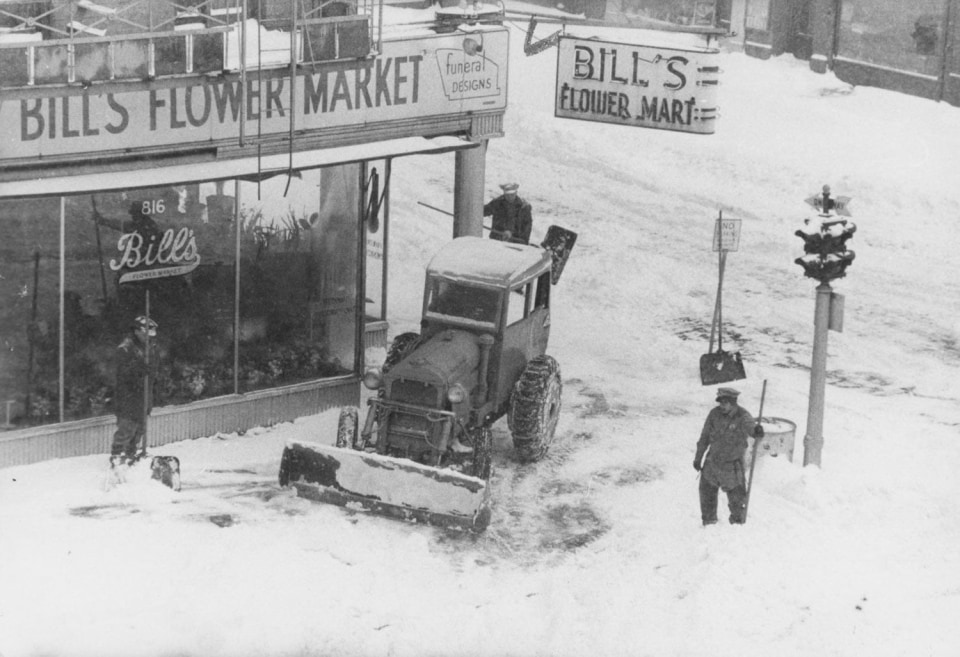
(245,208)
(914,49)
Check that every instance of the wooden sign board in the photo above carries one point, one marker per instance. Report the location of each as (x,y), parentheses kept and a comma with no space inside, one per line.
(637,85)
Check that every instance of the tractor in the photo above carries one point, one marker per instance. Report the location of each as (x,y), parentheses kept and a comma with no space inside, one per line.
(424,450)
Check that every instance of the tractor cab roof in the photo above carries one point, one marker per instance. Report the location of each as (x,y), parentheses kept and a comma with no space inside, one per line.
(491,262)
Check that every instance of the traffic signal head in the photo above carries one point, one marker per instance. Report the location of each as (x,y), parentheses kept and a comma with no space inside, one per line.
(826,256)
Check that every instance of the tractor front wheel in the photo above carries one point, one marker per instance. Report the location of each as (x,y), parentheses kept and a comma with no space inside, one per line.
(535,408)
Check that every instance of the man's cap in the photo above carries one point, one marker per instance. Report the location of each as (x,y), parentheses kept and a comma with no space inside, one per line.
(510,187)
(727,393)
(145,324)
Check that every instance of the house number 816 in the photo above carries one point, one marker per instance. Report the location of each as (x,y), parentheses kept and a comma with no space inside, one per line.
(151,207)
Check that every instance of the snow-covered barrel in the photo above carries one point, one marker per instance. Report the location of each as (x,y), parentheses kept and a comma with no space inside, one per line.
(778,438)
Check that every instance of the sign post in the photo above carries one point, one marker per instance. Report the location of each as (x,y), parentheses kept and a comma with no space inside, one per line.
(721,366)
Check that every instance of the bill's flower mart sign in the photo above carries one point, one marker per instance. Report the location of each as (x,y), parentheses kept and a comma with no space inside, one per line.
(639,86)
(409,80)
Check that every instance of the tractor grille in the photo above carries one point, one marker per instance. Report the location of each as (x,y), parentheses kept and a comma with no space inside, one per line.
(409,424)
(414,393)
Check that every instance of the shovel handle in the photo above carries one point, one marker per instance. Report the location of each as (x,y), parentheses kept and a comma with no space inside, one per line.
(763,395)
(442,211)
(753,457)
(713,324)
(147,392)
(716,327)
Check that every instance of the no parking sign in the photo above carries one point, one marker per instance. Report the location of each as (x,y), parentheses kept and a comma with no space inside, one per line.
(726,234)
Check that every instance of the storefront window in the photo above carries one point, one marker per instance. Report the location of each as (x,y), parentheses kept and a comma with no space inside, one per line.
(193,301)
(93,319)
(298,244)
(758,15)
(884,32)
(298,275)
(698,13)
(29,311)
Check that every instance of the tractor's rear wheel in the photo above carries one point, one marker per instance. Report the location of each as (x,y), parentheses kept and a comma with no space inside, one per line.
(347,428)
(535,408)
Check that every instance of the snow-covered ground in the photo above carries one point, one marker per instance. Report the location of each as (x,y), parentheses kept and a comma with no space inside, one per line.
(598,550)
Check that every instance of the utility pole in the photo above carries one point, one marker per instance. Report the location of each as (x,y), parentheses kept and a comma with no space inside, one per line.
(825,258)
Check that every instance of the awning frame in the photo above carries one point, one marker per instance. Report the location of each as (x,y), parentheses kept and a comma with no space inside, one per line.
(245,168)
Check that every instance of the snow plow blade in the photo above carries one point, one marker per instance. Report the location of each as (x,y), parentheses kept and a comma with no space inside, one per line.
(385,485)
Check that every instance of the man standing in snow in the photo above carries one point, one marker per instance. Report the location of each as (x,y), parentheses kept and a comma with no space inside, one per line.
(512,216)
(724,441)
(131,396)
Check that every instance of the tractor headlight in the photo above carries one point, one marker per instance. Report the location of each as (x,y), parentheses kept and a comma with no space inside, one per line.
(372,378)
(456,394)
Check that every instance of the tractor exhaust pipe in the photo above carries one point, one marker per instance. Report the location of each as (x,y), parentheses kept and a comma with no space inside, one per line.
(486,343)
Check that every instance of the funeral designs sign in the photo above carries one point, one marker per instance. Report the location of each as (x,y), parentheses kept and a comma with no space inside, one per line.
(468,76)
(639,86)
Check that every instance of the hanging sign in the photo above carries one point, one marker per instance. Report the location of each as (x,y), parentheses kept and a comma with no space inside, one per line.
(638,86)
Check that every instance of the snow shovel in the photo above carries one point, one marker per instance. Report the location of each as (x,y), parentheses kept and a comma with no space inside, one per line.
(559,242)
(753,457)
(720,366)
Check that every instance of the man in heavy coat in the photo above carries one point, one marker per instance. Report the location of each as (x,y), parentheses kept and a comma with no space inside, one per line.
(724,441)
(512,216)
(131,396)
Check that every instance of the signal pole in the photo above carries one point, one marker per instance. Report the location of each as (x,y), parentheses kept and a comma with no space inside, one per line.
(825,258)
(813,439)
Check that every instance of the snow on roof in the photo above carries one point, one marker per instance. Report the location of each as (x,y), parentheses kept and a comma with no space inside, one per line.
(489,261)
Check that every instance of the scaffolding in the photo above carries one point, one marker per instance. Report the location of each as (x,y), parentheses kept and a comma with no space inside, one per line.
(81,42)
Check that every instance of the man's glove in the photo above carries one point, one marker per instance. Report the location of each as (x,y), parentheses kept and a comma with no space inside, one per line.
(758,431)
(696,464)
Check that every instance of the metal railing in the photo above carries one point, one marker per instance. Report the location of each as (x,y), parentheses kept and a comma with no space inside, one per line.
(55,42)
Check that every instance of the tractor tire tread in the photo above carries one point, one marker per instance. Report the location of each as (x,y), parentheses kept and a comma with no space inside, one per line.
(531,422)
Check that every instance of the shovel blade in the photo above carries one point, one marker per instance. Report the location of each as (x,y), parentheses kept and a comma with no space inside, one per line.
(721,367)
(385,485)
(559,242)
(166,470)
